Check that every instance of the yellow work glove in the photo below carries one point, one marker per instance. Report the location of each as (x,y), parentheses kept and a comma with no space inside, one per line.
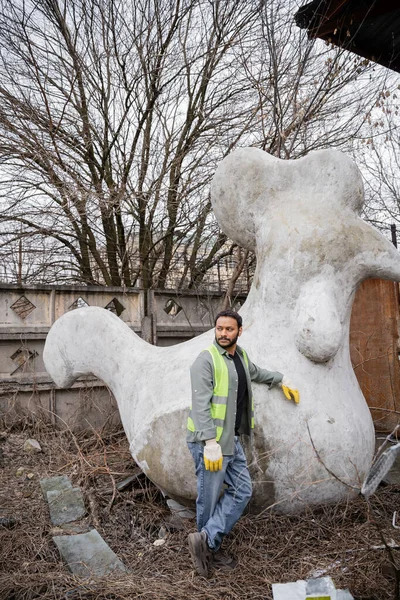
(212,455)
(291,393)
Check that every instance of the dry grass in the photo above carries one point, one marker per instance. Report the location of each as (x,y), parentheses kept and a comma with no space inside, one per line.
(271,548)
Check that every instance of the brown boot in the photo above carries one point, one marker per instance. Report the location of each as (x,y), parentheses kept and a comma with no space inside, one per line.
(223,561)
(200,552)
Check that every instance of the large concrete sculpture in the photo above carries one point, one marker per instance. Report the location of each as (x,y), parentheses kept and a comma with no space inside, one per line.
(302,220)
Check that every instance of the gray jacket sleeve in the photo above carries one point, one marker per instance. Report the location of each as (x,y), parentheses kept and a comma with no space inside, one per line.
(201,375)
(263,376)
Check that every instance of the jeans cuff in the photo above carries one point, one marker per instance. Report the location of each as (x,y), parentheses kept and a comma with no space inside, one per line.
(208,541)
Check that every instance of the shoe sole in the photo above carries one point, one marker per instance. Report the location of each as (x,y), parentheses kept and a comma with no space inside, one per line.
(200,553)
(227,565)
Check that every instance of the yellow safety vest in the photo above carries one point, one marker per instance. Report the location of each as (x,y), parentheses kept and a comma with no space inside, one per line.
(220,392)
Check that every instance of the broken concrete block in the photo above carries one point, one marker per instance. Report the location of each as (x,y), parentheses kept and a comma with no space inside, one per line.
(8,522)
(393,476)
(57,484)
(32,446)
(66,506)
(159,542)
(122,485)
(88,555)
(162,532)
(178,509)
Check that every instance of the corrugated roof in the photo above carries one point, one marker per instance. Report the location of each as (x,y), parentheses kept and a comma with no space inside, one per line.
(369,28)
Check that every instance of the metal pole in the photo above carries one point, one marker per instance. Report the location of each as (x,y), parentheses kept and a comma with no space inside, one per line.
(394,234)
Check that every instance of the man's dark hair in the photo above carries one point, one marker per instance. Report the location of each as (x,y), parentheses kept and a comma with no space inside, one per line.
(229,313)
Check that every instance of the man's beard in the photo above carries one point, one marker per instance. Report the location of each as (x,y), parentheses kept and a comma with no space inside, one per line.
(231,342)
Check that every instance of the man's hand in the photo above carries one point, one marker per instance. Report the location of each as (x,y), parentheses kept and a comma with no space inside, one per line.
(291,393)
(212,455)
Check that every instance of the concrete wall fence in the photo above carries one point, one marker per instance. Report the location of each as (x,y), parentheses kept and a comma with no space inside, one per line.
(165,317)
(161,317)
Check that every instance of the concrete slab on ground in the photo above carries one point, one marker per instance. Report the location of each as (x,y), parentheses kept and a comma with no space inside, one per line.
(66,506)
(181,511)
(82,526)
(57,484)
(88,555)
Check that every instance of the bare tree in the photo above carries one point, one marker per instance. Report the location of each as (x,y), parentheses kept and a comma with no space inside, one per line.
(311,95)
(114,115)
(378,157)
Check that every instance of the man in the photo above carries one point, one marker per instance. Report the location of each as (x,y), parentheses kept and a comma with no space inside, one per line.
(222,409)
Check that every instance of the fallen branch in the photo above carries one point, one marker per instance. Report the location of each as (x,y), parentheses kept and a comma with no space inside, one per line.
(327,468)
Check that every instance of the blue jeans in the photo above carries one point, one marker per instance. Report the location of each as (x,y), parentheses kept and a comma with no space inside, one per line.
(216,514)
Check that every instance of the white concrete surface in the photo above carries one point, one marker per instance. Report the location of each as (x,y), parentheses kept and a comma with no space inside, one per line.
(302,220)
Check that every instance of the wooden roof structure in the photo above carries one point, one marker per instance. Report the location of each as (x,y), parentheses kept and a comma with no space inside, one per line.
(369,28)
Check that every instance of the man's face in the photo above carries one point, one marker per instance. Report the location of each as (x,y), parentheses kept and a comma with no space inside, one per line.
(227,331)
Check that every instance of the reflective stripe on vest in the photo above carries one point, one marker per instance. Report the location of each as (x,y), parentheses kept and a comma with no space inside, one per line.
(220,392)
